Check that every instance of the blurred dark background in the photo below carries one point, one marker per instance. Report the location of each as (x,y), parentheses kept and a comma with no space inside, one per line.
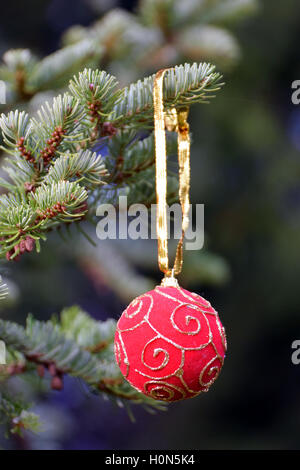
(246,170)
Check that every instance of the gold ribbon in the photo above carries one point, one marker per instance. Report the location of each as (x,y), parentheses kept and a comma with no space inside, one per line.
(175,120)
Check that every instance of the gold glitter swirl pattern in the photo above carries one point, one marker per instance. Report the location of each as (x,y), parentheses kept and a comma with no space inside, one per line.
(156,353)
(189,319)
(134,314)
(163,391)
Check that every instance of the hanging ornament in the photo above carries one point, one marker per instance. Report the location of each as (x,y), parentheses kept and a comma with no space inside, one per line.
(169,342)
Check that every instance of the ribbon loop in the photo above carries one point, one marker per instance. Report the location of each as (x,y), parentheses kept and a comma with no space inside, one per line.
(173,120)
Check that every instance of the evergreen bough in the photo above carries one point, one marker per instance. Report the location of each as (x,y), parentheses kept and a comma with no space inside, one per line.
(56,176)
(53,166)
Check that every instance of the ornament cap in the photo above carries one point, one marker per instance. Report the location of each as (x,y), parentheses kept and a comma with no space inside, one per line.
(169,281)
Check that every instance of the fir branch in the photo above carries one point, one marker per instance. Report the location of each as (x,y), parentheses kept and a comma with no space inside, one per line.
(22,224)
(70,196)
(144,40)
(57,125)
(122,35)
(15,60)
(171,15)
(85,165)
(97,92)
(54,68)
(140,154)
(14,126)
(205,41)
(20,215)
(14,413)
(72,347)
(139,188)
(96,337)
(44,343)
(17,67)
(183,86)
(21,174)
(230,10)
(52,170)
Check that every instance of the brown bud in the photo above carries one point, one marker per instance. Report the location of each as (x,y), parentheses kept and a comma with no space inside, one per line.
(57,383)
(28,187)
(19,368)
(82,208)
(22,246)
(40,370)
(29,243)
(108,129)
(52,369)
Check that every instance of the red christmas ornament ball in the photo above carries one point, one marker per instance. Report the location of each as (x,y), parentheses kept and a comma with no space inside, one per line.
(170,344)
